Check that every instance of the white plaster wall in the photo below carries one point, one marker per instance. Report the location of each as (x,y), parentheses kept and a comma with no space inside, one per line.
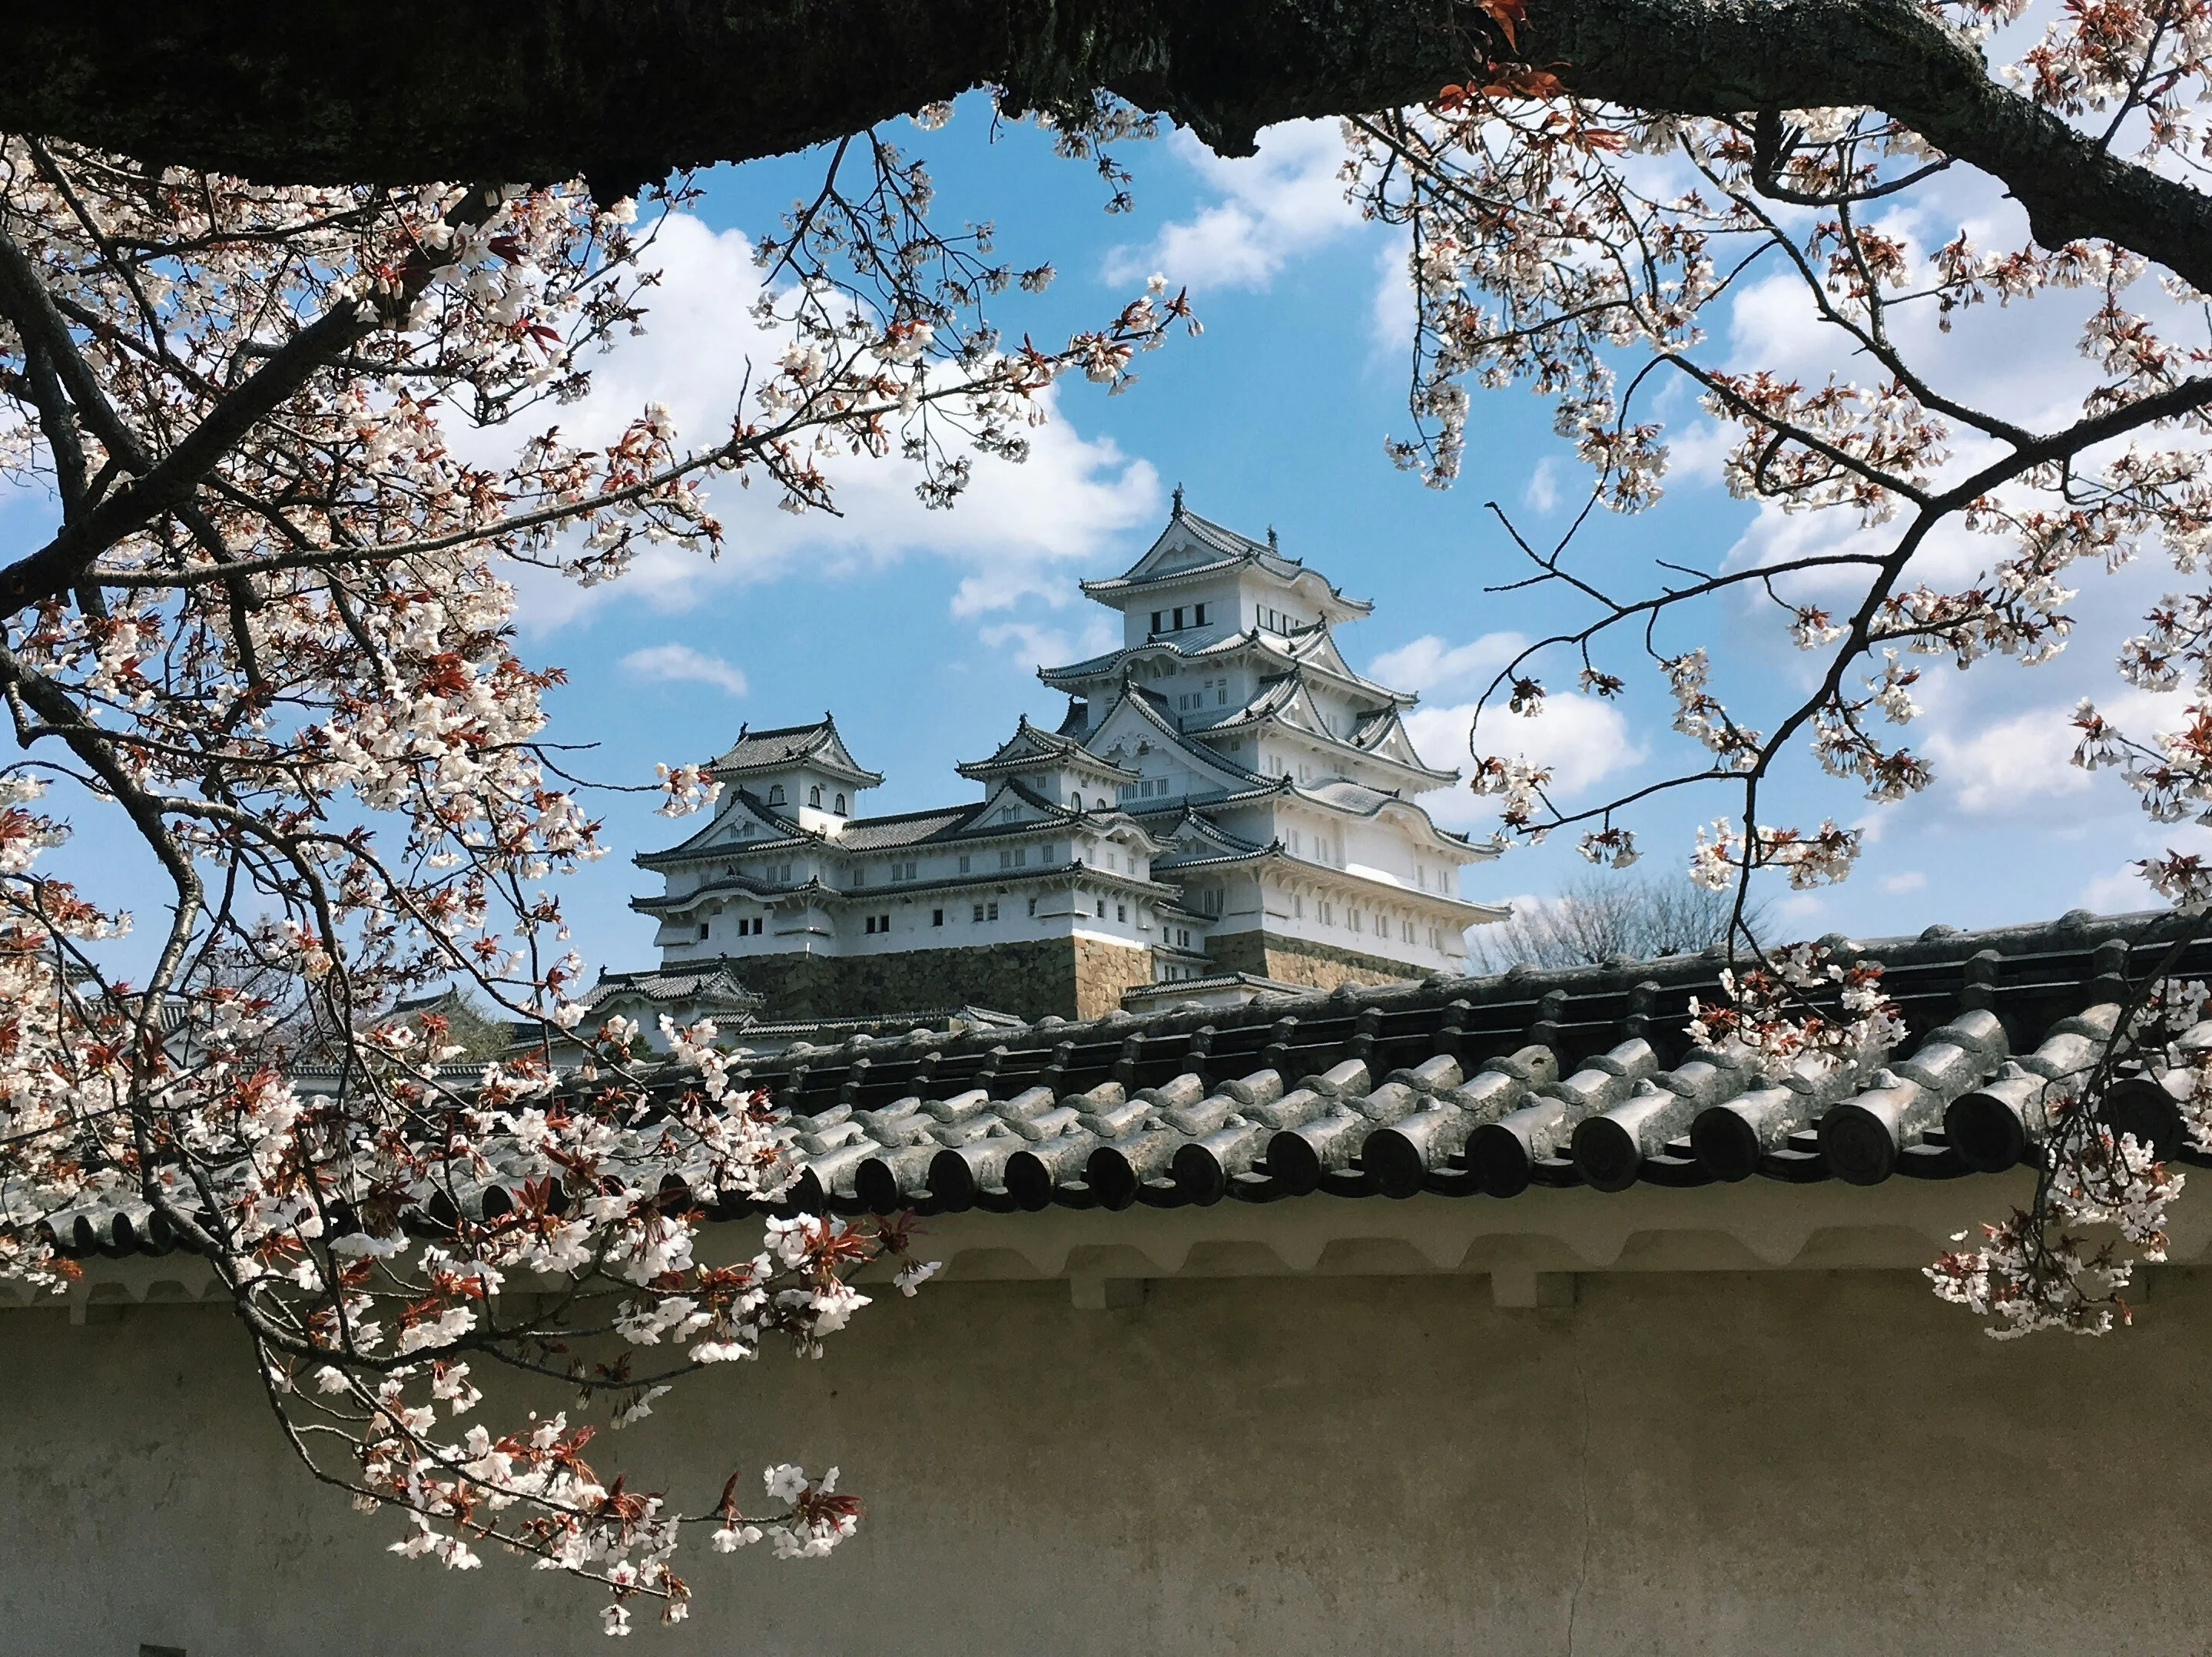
(1737,1464)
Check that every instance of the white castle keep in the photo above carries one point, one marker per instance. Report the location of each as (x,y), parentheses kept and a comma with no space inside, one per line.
(1227,807)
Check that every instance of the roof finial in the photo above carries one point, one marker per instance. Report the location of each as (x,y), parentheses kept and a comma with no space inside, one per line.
(1178,501)
(1270,537)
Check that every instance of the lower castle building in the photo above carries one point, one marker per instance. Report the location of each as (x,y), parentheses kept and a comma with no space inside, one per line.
(1227,808)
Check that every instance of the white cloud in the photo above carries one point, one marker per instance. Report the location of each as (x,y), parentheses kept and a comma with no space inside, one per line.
(2022,763)
(1430,666)
(2118,892)
(1910,881)
(2009,766)
(680,664)
(1013,532)
(1541,492)
(1581,739)
(1272,207)
(1052,646)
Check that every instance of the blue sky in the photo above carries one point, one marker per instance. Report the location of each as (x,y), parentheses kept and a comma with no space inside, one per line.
(922,630)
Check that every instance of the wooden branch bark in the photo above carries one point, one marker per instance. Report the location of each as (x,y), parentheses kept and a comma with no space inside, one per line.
(622,90)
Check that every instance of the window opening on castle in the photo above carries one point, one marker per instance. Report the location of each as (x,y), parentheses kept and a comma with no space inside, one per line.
(964,863)
(1121,911)
(937,917)
(1032,906)
(840,807)
(702,931)
(776,795)
(814,796)
(1102,908)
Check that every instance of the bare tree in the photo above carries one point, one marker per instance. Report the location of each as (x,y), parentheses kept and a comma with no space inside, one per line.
(1598,918)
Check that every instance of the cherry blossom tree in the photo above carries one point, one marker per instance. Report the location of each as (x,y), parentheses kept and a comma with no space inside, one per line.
(1583,246)
(270,629)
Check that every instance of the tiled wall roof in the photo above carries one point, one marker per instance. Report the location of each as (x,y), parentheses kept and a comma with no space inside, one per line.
(1466,1086)
(1457,1086)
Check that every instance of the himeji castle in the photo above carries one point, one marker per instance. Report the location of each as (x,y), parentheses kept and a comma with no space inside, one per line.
(1227,808)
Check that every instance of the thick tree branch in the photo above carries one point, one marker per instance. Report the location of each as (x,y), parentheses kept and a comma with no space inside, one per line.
(623,90)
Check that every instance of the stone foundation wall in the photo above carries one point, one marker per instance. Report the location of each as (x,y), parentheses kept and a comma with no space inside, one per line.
(1102,971)
(1297,960)
(1075,978)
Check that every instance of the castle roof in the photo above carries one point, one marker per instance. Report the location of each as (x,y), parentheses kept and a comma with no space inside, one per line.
(1286,701)
(1314,647)
(709,986)
(757,753)
(1192,549)
(1032,746)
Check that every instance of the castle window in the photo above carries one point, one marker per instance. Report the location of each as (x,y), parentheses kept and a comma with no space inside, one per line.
(1009,814)
(814,796)
(1183,938)
(1032,906)
(1178,618)
(1197,616)
(964,863)
(976,919)
(1121,911)
(991,911)
(1075,802)
(840,807)
(1155,620)
(861,877)
(702,931)
(776,795)
(1102,908)
(937,917)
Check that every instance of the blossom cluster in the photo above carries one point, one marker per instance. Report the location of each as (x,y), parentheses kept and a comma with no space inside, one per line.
(1801,1011)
